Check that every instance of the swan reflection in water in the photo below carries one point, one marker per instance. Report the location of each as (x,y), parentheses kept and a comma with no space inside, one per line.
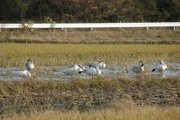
(163,75)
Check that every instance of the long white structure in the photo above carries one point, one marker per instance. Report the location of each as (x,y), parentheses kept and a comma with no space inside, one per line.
(92,25)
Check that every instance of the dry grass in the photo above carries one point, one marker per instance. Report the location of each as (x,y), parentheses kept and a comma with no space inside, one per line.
(121,35)
(16,54)
(128,112)
(106,83)
(101,98)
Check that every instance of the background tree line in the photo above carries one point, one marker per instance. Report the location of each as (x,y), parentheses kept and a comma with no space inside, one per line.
(83,11)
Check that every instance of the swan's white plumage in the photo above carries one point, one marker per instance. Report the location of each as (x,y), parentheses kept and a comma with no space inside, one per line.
(79,65)
(93,71)
(103,65)
(160,67)
(24,73)
(96,63)
(75,69)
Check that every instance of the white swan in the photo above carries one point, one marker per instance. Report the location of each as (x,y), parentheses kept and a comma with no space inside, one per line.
(24,73)
(29,64)
(138,69)
(103,65)
(96,63)
(79,65)
(72,70)
(93,71)
(160,67)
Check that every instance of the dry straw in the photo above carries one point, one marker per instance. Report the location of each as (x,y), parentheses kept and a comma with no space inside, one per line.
(13,54)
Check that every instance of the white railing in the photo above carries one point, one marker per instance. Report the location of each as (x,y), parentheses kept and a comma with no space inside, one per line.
(92,25)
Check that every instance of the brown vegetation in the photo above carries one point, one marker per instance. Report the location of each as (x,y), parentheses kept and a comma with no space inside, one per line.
(121,35)
(70,11)
(86,95)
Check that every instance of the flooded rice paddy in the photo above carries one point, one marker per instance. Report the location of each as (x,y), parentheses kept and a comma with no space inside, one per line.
(114,71)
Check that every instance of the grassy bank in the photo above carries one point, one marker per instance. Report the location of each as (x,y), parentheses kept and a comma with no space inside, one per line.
(116,35)
(16,54)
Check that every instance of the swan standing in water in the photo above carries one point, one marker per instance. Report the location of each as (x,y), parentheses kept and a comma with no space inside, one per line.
(96,63)
(93,71)
(24,73)
(29,64)
(160,67)
(138,69)
(74,69)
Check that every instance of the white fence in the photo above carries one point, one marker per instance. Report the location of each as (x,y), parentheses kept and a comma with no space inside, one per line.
(92,25)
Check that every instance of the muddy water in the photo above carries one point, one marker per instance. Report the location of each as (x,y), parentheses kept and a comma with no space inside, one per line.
(114,70)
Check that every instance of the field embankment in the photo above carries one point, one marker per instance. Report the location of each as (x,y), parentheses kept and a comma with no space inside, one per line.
(121,35)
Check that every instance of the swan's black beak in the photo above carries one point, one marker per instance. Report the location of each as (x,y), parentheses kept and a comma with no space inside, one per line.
(80,72)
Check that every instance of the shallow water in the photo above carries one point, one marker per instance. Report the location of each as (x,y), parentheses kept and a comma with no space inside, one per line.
(114,70)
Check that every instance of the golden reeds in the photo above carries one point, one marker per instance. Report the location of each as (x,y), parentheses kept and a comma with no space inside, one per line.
(127,113)
(13,54)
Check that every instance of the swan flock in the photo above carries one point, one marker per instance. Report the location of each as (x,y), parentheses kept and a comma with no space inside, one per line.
(91,69)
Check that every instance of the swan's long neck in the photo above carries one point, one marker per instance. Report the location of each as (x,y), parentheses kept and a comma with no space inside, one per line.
(98,71)
(141,64)
(162,63)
